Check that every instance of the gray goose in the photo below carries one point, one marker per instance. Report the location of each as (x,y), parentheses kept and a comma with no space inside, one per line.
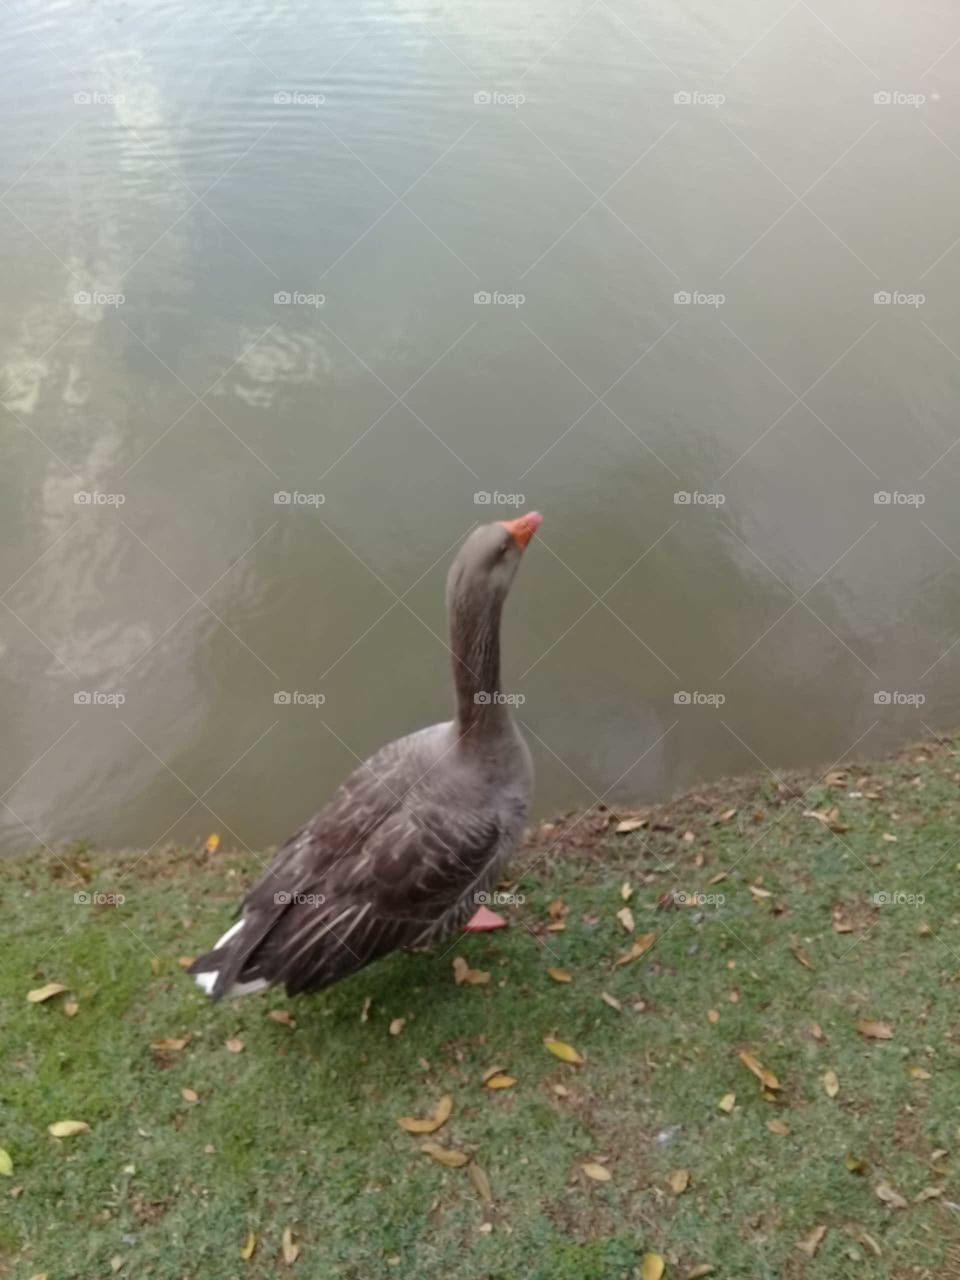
(415,838)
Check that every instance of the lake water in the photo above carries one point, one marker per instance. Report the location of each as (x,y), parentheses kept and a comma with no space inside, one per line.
(682,215)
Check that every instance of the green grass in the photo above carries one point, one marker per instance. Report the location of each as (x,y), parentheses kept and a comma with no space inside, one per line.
(299,1129)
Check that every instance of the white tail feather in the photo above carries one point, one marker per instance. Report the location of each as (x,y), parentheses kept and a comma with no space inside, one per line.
(207,981)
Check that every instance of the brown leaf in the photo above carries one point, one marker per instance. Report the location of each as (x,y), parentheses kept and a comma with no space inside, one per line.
(640,947)
(565,1052)
(802,957)
(811,1243)
(440,1116)
(283,1017)
(625,916)
(817,1031)
(874,1030)
(598,1172)
(39,994)
(612,1001)
(763,1074)
(234,1044)
(481,1183)
(679,1181)
(726,815)
(463,973)
(559,975)
(290,1251)
(883,1191)
(444,1155)
(778,1127)
(928,1193)
(713,1015)
(172,1045)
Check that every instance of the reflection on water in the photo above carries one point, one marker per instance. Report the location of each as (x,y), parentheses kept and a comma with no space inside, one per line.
(241,253)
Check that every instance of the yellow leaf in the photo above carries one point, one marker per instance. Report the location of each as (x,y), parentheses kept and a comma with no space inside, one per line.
(919,1073)
(500,1081)
(713,1015)
(39,994)
(212,843)
(291,1251)
(778,1127)
(854,1163)
(705,1269)
(444,1155)
(640,946)
(679,1181)
(760,893)
(831,1085)
(234,1045)
(6,1164)
(560,975)
(874,1030)
(652,1268)
(440,1116)
(727,1102)
(189,1095)
(625,916)
(597,1172)
(481,1183)
(171,1046)
(463,973)
(765,1076)
(811,1243)
(565,1052)
(67,1128)
(612,1001)
(248,1247)
(71,1008)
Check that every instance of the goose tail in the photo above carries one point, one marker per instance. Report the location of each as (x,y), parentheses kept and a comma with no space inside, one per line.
(217,972)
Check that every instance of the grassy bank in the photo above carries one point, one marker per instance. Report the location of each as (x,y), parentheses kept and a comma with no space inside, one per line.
(208,1124)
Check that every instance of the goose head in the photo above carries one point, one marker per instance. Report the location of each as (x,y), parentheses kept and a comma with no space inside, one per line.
(487,562)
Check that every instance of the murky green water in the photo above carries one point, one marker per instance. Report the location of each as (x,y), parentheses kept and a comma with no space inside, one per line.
(169,172)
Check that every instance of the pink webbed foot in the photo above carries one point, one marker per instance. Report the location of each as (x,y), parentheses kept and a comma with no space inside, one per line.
(484,921)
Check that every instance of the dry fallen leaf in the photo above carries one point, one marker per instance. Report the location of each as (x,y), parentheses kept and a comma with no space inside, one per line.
(234,1044)
(679,1181)
(67,1128)
(626,891)
(248,1247)
(653,1266)
(811,1243)
(629,824)
(463,973)
(6,1164)
(625,916)
(170,1046)
(802,957)
(640,946)
(597,1172)
(727,1102)
(757,892)
(713,1015)
(365,1011)
(291,1251)
(283,1017)
(817,1031)
(778,1127)
(444,1155)
(440,1116)
(883,1191)
(763,1074)
(831,1085)
(71,1008)
(855,1163)
(612,1001)
(919,1073)
(874,1030)
(481,1183)
(705,1269)
(500,1081)
(189,1095)
(39,994)
(559,975)
(565,1052)
(397,1025)
(928,1193)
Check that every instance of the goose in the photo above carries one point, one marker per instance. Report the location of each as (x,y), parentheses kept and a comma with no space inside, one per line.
(414,840)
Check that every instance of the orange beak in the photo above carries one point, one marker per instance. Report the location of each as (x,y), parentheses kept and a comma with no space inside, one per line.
(523,528)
